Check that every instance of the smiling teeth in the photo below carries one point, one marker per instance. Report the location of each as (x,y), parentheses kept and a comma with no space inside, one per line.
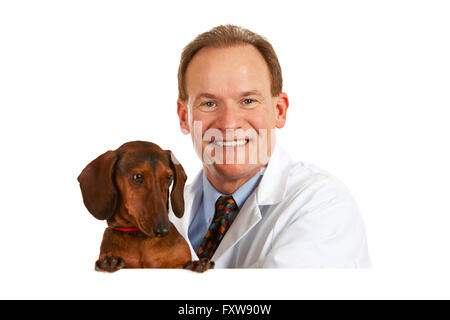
(230,143)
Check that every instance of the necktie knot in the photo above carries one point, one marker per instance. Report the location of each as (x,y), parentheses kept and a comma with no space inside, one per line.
(225,204)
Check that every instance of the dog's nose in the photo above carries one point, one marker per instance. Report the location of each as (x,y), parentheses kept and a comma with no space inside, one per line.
(161,229)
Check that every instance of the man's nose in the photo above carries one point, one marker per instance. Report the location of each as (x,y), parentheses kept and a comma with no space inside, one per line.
(229,117)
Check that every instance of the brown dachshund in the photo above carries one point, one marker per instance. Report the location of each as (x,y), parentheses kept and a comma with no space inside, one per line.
(129,188)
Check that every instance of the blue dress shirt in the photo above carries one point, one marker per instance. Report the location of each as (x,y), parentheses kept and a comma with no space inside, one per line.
(203,217)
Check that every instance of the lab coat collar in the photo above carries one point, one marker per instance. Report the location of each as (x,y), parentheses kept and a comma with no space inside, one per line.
(193,195)
(272,187)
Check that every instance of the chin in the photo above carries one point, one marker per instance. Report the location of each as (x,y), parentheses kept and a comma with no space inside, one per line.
(235,171)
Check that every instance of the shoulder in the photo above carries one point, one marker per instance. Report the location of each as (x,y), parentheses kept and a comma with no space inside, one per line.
(313,198)
(298,183)
(318,219)
(314,194)
(314,184)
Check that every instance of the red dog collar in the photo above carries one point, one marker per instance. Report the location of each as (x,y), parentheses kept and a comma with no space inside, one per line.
(126,229)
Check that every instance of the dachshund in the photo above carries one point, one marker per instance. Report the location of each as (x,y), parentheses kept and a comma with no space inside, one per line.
(129,188)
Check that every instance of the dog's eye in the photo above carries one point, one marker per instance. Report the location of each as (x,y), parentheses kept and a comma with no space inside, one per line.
(138,178)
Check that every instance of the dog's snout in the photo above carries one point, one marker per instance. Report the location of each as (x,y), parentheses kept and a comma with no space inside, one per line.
(161,229)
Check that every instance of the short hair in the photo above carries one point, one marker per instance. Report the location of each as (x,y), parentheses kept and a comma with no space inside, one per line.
(224,36)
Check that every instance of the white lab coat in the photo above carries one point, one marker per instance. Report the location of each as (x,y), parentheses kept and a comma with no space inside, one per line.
(297,217)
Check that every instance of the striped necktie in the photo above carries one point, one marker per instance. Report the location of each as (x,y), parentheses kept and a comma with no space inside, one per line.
(219,226)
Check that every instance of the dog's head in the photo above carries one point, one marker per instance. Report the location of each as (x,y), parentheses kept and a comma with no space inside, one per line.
(138,176)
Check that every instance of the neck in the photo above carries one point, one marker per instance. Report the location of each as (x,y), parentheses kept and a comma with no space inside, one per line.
(228,184)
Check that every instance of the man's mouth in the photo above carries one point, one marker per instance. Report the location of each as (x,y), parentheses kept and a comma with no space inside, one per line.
(234,143)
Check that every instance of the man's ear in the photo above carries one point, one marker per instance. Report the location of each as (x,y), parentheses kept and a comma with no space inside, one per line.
(282,104)
(183,115)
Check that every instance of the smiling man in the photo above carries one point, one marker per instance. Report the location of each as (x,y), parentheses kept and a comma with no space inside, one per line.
(252,205)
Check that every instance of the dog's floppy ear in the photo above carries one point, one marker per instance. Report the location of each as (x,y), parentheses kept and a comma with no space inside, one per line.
(97,186)
(177,194)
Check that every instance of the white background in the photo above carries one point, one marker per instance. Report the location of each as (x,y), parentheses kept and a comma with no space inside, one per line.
(368,83)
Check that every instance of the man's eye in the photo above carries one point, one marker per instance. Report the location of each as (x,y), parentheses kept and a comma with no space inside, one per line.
(209,104)
(248,101)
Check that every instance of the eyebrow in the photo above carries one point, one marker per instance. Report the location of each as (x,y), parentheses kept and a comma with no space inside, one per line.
(243,94)
(251,93)
(205,95)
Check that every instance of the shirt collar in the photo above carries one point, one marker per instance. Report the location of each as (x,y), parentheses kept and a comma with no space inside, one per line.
(210,194)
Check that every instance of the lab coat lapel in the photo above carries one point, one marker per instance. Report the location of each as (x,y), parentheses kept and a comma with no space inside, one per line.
(271,189)
(246,219)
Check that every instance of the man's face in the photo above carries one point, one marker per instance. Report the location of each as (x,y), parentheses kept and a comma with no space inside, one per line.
(230,111)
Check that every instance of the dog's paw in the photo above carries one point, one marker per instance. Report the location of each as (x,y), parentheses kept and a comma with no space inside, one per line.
(109,263)
(200,266)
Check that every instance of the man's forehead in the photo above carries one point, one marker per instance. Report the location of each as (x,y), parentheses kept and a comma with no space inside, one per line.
(240,49)
(210,57)
(227,71)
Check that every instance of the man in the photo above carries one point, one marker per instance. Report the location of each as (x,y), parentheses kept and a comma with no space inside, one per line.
(251,205)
